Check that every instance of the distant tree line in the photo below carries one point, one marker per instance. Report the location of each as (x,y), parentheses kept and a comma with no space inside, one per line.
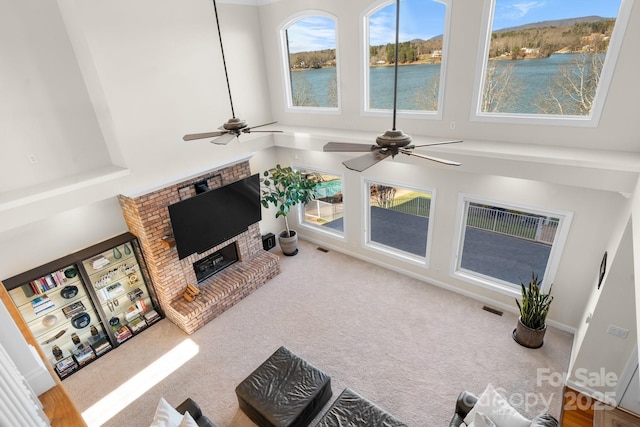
(313,59)
(542,42)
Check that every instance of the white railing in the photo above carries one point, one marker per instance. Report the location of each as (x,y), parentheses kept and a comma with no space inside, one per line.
(318,209)
(530,227)
(19,405)
(418,206)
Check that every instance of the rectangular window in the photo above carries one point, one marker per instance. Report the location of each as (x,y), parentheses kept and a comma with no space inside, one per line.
(326,209)
(399,219)
(421,52)
(505,245)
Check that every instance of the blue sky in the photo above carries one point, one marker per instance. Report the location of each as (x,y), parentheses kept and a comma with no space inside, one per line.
(424,19)
(511,13)
(312,33)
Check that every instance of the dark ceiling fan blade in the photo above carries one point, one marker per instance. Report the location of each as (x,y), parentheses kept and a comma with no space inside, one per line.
(348,147)
(250,128)
(438,143)
(224,139)
(433,159)
(361,163)
(193,136)
(265,131)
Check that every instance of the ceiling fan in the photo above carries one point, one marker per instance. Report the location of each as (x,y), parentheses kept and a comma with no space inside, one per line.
(391,142)
(234,127)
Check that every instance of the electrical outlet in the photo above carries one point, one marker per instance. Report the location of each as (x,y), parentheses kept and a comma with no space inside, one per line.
(618,331)
(452,125)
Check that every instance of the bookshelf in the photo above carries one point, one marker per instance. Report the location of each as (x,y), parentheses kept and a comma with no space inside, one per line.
(83,305)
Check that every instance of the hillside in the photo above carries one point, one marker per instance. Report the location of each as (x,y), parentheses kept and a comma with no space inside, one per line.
(539,39)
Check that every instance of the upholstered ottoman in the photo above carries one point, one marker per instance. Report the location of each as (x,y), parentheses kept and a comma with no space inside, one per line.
(351,409)
(284,391)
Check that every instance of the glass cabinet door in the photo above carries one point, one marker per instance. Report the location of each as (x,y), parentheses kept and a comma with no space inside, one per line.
(62,318)
(120,287)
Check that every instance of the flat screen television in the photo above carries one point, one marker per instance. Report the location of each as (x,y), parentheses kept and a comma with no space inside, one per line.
(208,219)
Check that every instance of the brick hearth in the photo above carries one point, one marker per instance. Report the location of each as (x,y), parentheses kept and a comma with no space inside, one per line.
(147,217)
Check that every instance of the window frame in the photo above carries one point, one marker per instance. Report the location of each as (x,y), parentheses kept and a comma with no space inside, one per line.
(366,181)
(503,287)
(300,208)
(606,77)
(286,66)
(364,66)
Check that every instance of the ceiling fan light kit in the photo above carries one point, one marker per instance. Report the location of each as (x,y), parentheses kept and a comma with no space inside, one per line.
(393,138)
(234,127)
(392,141)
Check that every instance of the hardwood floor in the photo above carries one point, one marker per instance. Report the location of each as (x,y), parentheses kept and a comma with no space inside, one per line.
(577,410)
(57,404)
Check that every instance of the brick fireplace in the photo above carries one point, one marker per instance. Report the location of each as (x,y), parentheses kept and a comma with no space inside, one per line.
(148,219)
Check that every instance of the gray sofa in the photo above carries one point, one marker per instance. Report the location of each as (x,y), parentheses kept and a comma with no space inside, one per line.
(466,401)
(196,413)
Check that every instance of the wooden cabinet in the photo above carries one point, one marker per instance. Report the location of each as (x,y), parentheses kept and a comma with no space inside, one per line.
(85,304)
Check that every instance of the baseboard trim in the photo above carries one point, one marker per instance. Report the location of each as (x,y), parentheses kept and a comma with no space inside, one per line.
(485,300)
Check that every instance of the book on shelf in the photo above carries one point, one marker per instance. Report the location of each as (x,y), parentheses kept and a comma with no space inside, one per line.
(101,346)
(59,278)
(66,366)
(84,354)
(151,316)
(122,334)
(42,303)
(99,262)
(137,324)
(131,313)
(141,305)
(73,309)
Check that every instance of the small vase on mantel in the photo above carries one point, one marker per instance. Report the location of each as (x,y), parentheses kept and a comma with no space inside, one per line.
(116,253)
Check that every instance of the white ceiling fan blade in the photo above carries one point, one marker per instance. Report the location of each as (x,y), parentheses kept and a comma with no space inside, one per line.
(361,163)
(347,147)
(224,139)
(438,143)
(433,159)
(193,136)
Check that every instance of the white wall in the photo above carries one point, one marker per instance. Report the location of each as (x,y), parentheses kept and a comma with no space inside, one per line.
(599,350)
(24,356)
(45,109)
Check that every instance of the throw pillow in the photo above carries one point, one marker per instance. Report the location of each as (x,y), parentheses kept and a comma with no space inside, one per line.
(497,409)
(166,415)
(481,420)
(188,421)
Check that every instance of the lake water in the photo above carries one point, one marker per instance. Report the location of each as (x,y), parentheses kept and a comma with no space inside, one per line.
(416,81)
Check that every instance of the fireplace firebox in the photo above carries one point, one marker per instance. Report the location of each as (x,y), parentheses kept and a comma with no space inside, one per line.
(217,261)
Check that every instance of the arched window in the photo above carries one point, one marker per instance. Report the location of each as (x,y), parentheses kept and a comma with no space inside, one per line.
(549,60)
(421,55)
(310,60)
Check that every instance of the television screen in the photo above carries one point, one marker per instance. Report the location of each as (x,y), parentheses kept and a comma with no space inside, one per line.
(208,219)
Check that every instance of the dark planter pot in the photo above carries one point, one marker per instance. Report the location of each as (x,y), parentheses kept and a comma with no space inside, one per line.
(288,244)
(527,337)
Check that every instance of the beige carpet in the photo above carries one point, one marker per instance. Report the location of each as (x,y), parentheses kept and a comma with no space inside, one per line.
(406,345)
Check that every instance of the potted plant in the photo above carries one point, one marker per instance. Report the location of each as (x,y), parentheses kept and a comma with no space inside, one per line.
(534,308)
(284,188)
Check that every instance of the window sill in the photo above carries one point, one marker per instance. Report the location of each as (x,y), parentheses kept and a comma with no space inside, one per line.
(503,288)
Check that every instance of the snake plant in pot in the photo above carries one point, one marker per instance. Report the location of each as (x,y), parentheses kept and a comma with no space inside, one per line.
(284,188)
(534,308)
